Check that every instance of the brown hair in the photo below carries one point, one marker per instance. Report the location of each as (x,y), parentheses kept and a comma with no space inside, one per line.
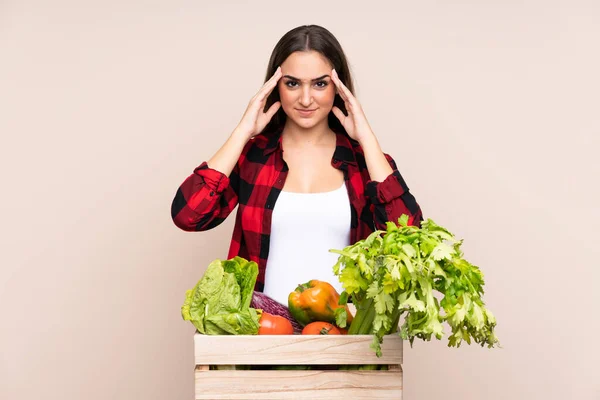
(308,38)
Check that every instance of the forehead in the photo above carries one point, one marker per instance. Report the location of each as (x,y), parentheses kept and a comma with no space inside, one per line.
(306,65)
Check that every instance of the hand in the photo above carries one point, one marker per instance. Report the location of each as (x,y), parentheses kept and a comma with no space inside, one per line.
(355,123)
(254,119)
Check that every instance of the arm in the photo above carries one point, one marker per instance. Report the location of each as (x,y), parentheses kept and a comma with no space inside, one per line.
(226,158)
(386,188)
(377,164)
(210,194)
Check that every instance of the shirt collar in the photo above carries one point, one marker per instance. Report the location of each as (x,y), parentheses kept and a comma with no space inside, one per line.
(344,151)
(273,143)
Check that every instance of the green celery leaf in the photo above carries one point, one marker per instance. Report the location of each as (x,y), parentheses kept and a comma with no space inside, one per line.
(403,220)
(341,317)
(373,290)
(442,251)
(343,300)
(409,250)
(413,303)
(390,285)
(475,316)
(352,281)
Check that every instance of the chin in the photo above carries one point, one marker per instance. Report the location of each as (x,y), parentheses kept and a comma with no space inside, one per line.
(306,123)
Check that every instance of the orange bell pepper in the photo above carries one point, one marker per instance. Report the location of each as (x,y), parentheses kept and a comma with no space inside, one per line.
(315,301)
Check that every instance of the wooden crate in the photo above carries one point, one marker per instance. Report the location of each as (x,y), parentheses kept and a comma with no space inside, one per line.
(296,384)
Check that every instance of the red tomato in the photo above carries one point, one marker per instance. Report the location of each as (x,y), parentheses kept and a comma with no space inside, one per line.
(320,328)
(274,325)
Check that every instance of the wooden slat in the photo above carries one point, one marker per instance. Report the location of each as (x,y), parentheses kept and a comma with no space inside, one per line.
(294,349)
(298,384)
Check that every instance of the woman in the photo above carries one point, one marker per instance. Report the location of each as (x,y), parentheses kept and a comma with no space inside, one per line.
(304,166)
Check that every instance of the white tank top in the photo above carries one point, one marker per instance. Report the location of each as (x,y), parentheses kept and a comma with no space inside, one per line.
(304,227)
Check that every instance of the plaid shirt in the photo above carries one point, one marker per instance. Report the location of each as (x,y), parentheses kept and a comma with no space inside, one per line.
(208,196)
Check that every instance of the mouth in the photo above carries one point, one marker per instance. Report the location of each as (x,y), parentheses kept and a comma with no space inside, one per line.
(305,113)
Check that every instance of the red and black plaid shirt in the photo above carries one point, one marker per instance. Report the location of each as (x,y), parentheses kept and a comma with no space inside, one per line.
(207,197)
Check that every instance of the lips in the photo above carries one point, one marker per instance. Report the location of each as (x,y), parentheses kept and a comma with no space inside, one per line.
(305,113)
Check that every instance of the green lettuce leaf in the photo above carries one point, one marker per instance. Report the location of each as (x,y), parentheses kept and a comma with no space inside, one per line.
(235,323)
(245,273)
(219,304)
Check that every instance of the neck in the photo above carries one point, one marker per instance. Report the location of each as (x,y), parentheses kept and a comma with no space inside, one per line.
(313,136)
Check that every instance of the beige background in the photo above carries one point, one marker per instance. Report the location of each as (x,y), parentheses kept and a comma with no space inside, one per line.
(490,108)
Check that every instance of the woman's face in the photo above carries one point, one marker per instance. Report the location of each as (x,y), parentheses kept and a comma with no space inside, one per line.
(306,85)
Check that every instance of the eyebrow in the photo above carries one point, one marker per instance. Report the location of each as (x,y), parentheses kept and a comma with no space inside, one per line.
(312,80)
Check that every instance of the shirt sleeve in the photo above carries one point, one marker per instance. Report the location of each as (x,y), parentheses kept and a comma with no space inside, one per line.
(391,198)
(205,198)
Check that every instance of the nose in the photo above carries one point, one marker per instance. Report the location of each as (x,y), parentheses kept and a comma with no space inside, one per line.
(305,97)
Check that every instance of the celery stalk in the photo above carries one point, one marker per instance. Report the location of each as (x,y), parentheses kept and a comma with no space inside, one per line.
(362,323)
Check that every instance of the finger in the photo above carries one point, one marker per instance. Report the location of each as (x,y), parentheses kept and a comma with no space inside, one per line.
(338,84)
(272,110)
(349,100)
(343,92)
(339,114)
(276,75)
(268,87)
(262,95)
(349,109)
(348,96)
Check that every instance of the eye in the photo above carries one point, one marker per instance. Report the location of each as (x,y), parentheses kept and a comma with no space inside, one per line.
(324,84)
(289,82)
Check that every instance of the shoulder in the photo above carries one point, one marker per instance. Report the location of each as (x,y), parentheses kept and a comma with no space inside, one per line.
(260,141)
(255,151)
